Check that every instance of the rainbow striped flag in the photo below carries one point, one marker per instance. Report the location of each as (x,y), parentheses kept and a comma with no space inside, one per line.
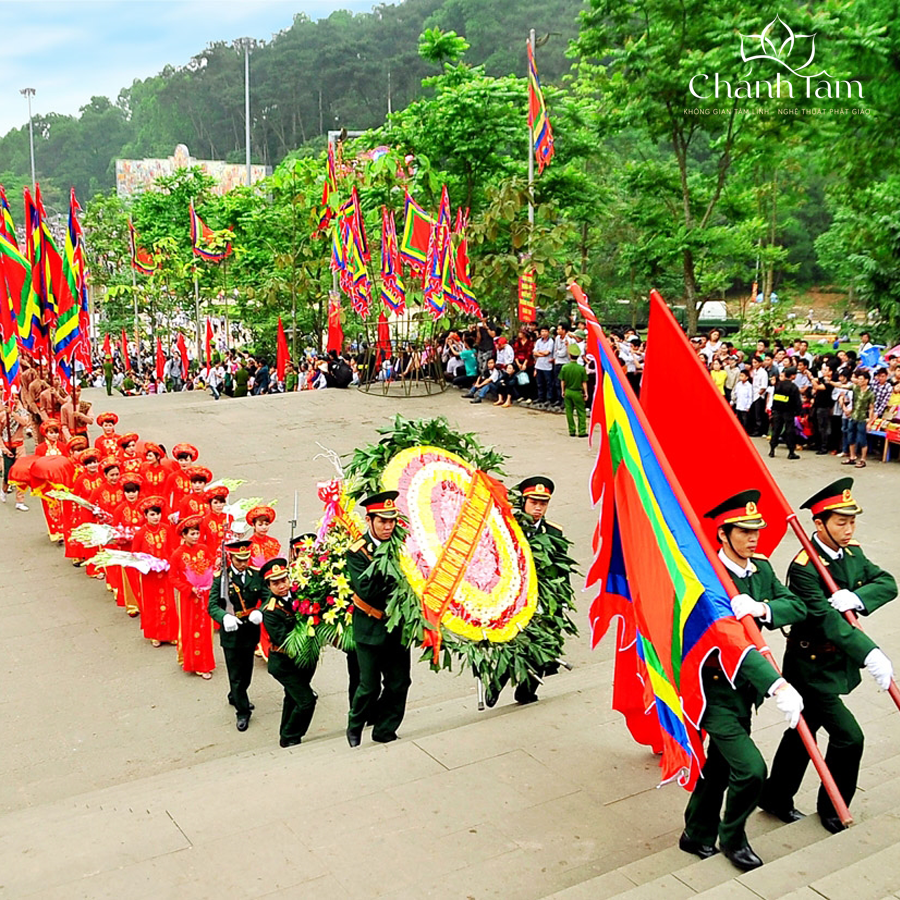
(538,119)
(416,236)
(68,275)
(655,576)
(202,239)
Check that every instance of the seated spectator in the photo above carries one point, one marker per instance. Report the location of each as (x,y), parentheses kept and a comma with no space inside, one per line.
(508,386)
(470,363)
(486,384)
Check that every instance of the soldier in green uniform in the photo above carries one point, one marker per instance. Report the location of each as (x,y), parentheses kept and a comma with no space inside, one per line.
(279,618)
(536,493)
(733,762)
(825,653)
(384,663)
(238,613)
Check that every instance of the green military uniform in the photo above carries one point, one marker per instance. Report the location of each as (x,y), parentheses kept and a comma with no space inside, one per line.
(734,761)
(823,657)
(246,592)
(299,698)
(384,661)
(574,377)
(241,379)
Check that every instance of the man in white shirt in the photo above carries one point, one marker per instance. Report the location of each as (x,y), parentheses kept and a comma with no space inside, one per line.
(543,366)
(760,381)
(560,358)
(505,353)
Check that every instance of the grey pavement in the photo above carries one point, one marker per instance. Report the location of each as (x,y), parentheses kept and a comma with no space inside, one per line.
(123,776)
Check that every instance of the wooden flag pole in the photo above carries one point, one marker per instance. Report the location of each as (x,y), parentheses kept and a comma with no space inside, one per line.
(832,587)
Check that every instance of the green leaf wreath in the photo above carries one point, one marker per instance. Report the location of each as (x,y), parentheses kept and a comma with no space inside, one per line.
(540,643)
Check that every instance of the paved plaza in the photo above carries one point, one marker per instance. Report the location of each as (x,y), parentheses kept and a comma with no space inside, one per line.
(122,776)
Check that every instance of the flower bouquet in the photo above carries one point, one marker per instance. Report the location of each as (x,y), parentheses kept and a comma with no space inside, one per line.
(323,598)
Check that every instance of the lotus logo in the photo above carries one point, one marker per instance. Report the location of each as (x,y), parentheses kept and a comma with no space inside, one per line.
(777,42)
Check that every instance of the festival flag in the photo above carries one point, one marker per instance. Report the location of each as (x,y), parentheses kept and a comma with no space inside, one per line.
(141,260)
(202,239)
(183,353)
(160,360)
(282,354)
(462,280)
(538,120)
(354,277)
(67,272)
(335,339)
(416,236)
(383,339)
(437,259)
(107,346)
(33,330)
(328,188)
(15,272)
(7,226)
(673,369)
(655,574)
(393,293)
(125,357)
(9,326)
(209,342)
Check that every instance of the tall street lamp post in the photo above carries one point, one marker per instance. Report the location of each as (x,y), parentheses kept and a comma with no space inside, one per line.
(28,93)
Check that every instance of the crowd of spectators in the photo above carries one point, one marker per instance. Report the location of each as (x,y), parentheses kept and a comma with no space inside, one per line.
(838,402)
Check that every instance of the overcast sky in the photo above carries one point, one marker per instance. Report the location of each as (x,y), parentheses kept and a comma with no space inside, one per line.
(70,52)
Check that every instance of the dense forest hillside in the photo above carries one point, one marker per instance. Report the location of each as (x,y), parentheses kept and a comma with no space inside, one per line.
(343,71)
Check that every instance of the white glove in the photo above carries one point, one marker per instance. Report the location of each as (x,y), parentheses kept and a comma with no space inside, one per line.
(255,617)
(744,605)
(880,668)
(230,622)
(844,600)
(789,702)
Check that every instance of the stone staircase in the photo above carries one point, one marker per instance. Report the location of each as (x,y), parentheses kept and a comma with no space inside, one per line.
(803,862)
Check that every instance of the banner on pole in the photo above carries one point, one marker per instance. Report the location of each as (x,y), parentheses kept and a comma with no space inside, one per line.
(527,296)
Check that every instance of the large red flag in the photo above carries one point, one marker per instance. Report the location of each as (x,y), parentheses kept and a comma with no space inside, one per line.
(160,360)
(107,346)
(716,459)
(383,345)
(283,354)
(335,330)
(125,356)
(183,351)
(209,340)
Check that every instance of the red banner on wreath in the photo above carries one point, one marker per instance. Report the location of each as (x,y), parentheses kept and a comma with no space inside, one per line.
(527,296)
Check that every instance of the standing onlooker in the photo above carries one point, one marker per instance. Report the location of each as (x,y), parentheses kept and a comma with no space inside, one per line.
(823,403)
(786,404)
(742,400)
(759,377)
(861,416)
(560,358)
(484,345)
(543,366)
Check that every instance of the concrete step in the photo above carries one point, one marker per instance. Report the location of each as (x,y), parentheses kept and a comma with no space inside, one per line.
(794,854)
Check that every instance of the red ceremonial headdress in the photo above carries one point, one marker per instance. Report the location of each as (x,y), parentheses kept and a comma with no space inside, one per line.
(260,512)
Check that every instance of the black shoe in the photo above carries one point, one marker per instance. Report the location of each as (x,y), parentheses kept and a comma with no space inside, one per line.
(289,743)
(354,736)
(384,740)
(242,723)
(476,400)
(793,456)
(704,851)
(524,695)
(831,823)
(791,815)
(252,707)
(744,858)
(771,453)
(821,453)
